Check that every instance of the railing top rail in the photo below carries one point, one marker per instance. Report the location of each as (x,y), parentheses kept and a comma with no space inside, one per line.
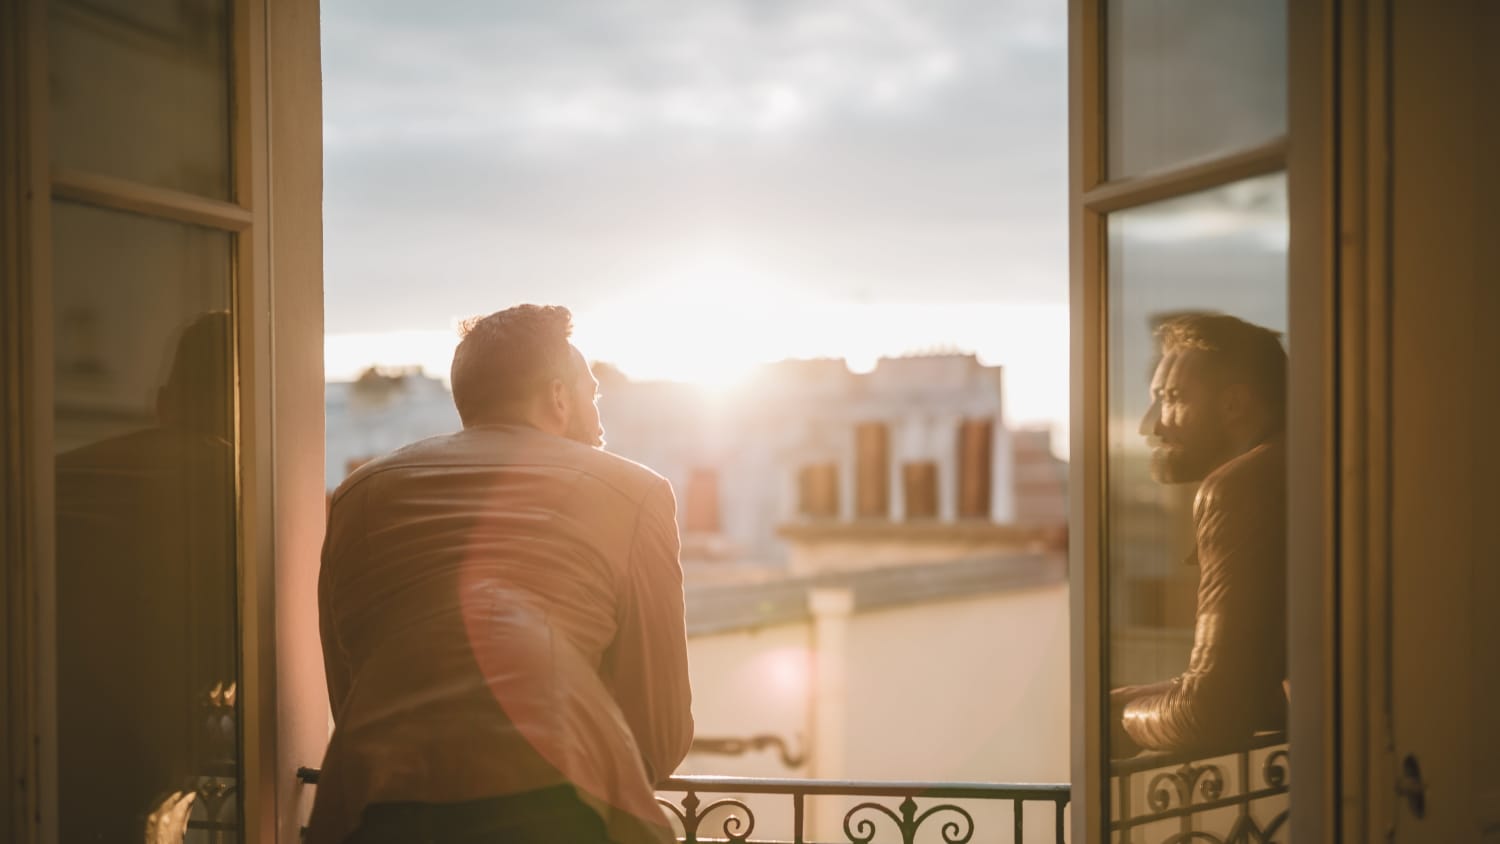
(1152,760)
(1055,792)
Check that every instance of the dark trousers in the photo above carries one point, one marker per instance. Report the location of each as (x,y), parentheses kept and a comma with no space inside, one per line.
(547,816)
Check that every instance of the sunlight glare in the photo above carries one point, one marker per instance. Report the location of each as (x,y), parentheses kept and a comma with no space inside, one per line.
(715,334)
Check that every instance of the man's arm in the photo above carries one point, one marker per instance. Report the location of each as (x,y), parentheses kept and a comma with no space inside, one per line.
(646,668)
(1236,667)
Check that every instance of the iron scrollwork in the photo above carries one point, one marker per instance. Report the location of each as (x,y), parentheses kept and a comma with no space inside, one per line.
(1205,779)
(908,822)
(1186,790)
(866,825)
(736,828)
(864,821)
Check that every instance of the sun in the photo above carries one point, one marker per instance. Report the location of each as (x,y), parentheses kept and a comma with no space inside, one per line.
(712,327)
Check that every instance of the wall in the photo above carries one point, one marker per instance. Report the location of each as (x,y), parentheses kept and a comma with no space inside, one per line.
(972,689)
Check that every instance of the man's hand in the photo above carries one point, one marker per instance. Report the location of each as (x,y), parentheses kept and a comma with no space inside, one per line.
(1121,745)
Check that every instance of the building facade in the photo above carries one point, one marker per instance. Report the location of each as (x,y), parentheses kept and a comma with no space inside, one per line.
(805,446)
(918,440)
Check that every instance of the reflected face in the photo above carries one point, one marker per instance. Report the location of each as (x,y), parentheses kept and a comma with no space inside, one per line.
(583,423)
(1185,425)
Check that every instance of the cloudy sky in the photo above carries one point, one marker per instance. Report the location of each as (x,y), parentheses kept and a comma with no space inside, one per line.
(682,173)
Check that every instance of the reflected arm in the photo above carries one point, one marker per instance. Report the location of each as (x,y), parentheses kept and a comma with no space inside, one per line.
(1233,683)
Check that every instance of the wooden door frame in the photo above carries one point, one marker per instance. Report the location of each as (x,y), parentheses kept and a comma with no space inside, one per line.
(1313,98)
(18,798)
(276,219)
(1339,470)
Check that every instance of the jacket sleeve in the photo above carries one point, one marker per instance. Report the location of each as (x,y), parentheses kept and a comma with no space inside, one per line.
(647,666)
(1233,683)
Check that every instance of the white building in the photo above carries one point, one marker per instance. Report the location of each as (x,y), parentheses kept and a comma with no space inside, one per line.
(380,412)
(919,440)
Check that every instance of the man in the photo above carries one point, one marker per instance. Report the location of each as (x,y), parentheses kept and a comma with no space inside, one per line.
(1217,416)
(502,618)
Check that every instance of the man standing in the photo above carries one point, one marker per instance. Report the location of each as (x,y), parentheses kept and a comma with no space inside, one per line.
(1217,415)
(502,618)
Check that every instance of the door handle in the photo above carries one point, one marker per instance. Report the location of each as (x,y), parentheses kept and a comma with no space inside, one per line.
(1411,786)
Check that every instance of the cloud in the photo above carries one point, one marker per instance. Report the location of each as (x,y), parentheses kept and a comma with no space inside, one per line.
(483,153)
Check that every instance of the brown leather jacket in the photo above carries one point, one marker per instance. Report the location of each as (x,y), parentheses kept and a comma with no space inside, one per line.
(1233,683)
(502,611)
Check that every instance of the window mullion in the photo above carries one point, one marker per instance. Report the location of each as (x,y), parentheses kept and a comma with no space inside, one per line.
(125,195)
(1189,178)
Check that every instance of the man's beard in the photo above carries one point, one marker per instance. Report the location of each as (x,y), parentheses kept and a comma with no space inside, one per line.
(1181,464)
(580,431)
(1169,466)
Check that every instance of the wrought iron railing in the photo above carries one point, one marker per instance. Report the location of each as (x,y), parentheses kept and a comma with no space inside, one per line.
(1158,798)
(884,811)
(1225,798)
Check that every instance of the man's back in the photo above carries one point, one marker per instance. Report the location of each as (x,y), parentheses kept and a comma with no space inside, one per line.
(502,612)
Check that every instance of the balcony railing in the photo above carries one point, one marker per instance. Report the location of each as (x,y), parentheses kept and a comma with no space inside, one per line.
(712,809)
(886,811)
(1226,798)
(1159,798)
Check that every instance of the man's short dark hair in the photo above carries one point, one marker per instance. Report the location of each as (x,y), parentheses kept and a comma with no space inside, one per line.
(1243,353)
(506,357)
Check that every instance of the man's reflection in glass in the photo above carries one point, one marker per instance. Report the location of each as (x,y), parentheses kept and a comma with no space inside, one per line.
(1217,415)
(146,604)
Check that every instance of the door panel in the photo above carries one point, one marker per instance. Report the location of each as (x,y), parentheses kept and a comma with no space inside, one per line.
(147,680)
(1445,458)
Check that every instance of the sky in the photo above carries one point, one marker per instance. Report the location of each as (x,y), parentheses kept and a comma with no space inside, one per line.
(707,185)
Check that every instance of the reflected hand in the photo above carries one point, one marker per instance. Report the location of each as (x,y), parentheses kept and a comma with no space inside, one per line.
(1121,745)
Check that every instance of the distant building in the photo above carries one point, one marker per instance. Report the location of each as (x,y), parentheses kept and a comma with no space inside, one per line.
(379,412)
(910,461)
(815,449)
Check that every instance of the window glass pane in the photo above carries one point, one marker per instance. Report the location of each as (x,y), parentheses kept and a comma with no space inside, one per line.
(146,621)
(140,90)
(1197,493)
(1188,79)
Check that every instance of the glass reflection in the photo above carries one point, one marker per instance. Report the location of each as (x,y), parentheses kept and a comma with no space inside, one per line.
(146,665)
(1188,80)
(140,90)
(1197,491)
(1216,420)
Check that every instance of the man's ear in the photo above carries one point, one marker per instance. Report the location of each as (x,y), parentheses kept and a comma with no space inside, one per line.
(1234,401)
(561,400)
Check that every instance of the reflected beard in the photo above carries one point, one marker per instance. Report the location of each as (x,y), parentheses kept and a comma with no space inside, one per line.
(1178,465)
